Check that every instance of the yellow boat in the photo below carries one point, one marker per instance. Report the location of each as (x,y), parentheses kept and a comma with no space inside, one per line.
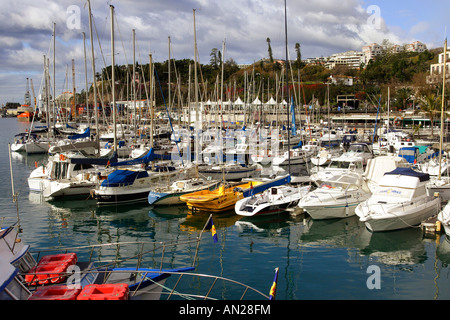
(219,200)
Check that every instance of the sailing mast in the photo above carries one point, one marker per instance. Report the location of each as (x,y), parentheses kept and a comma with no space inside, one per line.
(444,75)
(133,83)
(197,111)
(94,85)
(287,85)
(113,78)
(86,79)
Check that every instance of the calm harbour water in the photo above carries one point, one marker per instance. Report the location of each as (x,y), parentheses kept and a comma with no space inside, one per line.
(317,260)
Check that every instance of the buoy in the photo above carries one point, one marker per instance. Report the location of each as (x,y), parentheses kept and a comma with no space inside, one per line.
(438,226)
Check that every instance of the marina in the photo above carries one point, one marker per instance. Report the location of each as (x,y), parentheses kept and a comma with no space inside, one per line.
(413,264)
(220,193)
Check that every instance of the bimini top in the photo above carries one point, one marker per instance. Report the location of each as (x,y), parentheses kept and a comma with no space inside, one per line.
(123,178)
(409,172)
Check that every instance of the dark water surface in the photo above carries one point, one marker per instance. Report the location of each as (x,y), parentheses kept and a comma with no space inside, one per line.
(317,260)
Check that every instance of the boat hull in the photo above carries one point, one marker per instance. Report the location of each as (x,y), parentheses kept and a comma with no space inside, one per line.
(230,175)
(58,189)
(110,197)
(264,205)
(266,210)
(335,211)
(399,218)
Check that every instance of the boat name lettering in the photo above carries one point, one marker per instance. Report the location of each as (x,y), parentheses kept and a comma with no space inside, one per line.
(389,191)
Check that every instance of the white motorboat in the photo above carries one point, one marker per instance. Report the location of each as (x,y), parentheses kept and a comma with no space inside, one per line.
(399,202)
(293,157)
(337,166)
(441,186)
(361,150)
(323,157)
(378,166)
(274,200)
(444,218)
(61,168)
(336,197)
(231,171)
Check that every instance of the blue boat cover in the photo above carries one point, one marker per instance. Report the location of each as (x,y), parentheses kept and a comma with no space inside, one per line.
(85,134)
(410,172)
(149,157)
(123,178)
(96,161)
(262,187)
(409,153)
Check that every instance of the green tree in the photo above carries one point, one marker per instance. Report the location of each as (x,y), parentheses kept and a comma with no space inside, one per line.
(298,63)
(270,50)
(431,106)
(214,62)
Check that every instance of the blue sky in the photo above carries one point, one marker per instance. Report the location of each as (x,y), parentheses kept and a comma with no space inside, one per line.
(322,27)
(425,20)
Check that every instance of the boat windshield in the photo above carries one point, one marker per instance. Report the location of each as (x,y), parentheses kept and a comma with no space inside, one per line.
(335,164)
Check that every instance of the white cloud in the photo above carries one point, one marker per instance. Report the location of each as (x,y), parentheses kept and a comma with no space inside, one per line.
(322,27)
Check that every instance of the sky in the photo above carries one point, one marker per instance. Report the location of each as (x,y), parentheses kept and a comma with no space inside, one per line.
(322,27)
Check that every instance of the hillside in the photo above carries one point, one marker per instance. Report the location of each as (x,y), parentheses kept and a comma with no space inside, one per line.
(264,79)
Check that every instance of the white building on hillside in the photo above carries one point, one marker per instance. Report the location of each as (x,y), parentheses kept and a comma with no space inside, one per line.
(437,69)
(351,59)
(372,51)
(416,47)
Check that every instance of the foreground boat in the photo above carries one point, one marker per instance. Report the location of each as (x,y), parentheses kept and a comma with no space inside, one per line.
(336,197)
(61,275)
(48,279)
(399,202)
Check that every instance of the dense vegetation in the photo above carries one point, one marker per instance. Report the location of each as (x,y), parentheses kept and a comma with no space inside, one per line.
(404,73)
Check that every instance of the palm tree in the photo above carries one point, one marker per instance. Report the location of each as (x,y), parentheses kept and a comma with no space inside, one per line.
(270,50)
(431,106)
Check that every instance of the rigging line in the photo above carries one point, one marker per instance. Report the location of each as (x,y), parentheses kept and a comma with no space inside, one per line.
(121,39)
(104,63)
(170,121)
